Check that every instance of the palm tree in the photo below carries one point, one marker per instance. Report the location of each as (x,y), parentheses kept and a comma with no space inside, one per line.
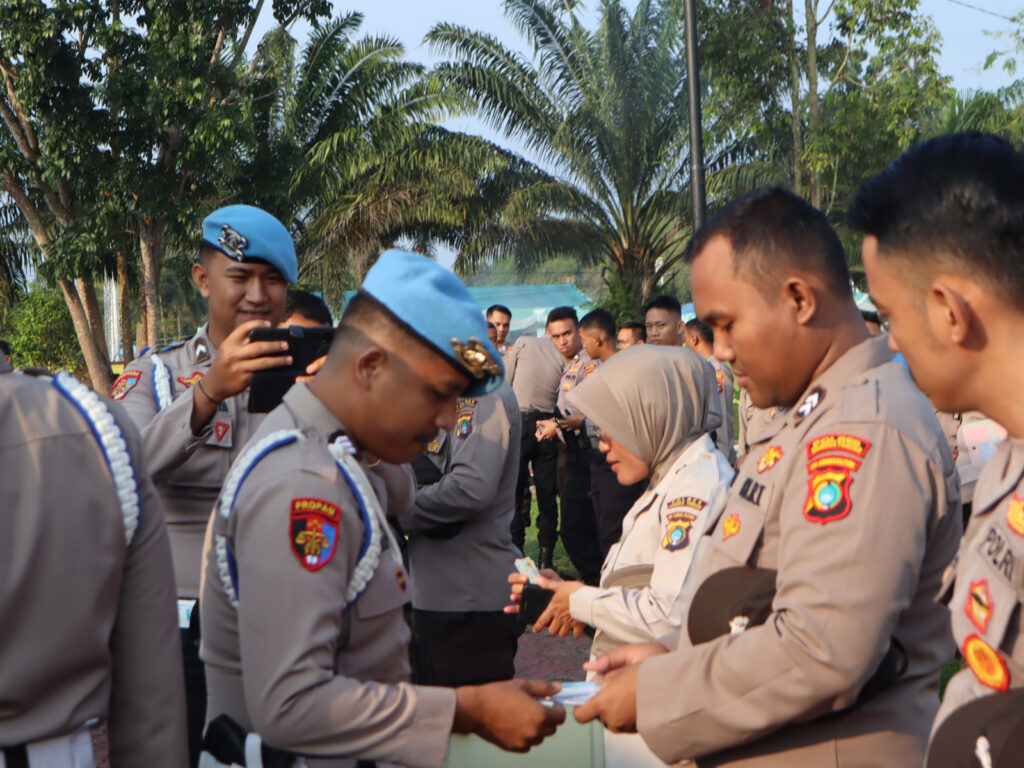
(605,114)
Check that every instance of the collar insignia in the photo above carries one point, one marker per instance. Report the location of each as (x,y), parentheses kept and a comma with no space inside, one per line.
(812,401)
(475,358)
(233,243)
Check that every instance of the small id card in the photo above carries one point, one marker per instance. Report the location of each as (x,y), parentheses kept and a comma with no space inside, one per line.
(528,568)
(575,694)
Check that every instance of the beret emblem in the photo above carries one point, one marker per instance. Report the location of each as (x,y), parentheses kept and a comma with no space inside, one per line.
(234,244)
(475,357)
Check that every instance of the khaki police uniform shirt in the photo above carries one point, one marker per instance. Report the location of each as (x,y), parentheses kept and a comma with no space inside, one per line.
(855,503)
(469,571)
(188,469)
(725,387)
(88,622)
(279,664)
(660,534)
(534,367)
(754,424)
(576,370)
(984,587)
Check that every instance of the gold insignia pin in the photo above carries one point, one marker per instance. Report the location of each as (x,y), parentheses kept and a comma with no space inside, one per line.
(475,357)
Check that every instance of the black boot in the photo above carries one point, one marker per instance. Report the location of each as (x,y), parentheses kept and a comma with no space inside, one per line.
(545,558)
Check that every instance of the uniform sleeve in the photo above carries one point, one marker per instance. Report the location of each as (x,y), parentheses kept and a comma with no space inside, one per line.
(512,360)
(474,475)
(289,624)
(147,705)
(844,577)
(642,615)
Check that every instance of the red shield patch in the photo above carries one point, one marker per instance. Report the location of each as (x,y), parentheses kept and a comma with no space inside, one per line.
(124,384)
(220,429)
(313,531)
(828,497)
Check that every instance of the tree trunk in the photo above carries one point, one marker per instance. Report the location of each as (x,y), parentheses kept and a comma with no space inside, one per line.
(87,291)
(151,245)
(124,305)
(814,117)
(96,363)
(794,96)
(140,325)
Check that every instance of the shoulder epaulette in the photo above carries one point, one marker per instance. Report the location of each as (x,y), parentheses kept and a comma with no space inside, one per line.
(174,345)
(111,441)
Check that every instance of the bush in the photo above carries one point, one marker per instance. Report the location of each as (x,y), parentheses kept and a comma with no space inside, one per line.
(41,333)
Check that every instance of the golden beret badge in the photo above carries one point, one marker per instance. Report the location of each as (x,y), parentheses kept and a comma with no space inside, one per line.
(475,357)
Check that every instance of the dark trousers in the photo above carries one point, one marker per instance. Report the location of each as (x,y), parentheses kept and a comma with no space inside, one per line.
(579,526)
(195,688)
(611,502)
(465,648)
(544,457)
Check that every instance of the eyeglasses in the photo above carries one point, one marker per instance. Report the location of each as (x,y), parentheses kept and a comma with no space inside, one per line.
(600,434)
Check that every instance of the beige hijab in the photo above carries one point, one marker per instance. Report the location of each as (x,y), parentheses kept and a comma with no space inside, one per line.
(653,400)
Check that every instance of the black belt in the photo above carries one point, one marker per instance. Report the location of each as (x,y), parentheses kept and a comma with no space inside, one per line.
(538,414)
(225,740)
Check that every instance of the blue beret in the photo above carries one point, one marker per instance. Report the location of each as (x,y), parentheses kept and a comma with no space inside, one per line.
(435,304)
(242,232)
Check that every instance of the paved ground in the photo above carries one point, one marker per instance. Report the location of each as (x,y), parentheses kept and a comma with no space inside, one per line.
(548,657)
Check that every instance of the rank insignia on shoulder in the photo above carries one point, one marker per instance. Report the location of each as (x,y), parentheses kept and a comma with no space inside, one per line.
(769,459)
(730,526)
(978,606)
(986,663)
(589,368)
(314,531)
(677,535)
(434,446)
(124,384)
(464,417)
(812,401)
(1015,515)
(188,381)
(828,498)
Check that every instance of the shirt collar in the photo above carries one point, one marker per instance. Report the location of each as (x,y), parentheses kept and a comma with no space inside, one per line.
(310,410)
(857,360)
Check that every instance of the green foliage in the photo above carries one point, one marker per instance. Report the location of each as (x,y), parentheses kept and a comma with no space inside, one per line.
(41,333)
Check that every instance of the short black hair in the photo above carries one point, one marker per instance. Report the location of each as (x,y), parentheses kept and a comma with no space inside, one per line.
(666,301)
(599,320)
(871,317)
(639,329)
(955,202)
(308,305)
(5,348)
(498,308)
(771,228)
(702,329)
(562,313)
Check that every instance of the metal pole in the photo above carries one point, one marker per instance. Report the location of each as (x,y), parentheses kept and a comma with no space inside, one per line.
(696,132)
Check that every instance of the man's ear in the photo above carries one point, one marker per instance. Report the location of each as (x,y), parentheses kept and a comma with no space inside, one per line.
(201,279)
(950,315)
(370,365)
(800,297)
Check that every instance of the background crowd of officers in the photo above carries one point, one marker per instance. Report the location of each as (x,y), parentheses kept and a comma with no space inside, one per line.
(779,587)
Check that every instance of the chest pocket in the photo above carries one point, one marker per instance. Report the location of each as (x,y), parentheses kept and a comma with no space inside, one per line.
(388,590)
(741,524)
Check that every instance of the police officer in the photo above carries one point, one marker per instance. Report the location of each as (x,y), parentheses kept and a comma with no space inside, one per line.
(611,499)
(578,524)
(630,333)
(87,604)
(460,546)
(700,339)
(303,632)
(190,400)
(842,667)
(943,255)
(500,317)
(534,370)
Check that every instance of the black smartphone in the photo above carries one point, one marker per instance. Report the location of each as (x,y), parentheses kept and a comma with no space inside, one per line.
(533,602)
(305,345)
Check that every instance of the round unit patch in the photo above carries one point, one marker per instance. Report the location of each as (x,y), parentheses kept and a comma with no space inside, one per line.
(986,663)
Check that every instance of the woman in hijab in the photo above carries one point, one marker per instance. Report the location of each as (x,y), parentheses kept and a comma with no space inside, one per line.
(651,411)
